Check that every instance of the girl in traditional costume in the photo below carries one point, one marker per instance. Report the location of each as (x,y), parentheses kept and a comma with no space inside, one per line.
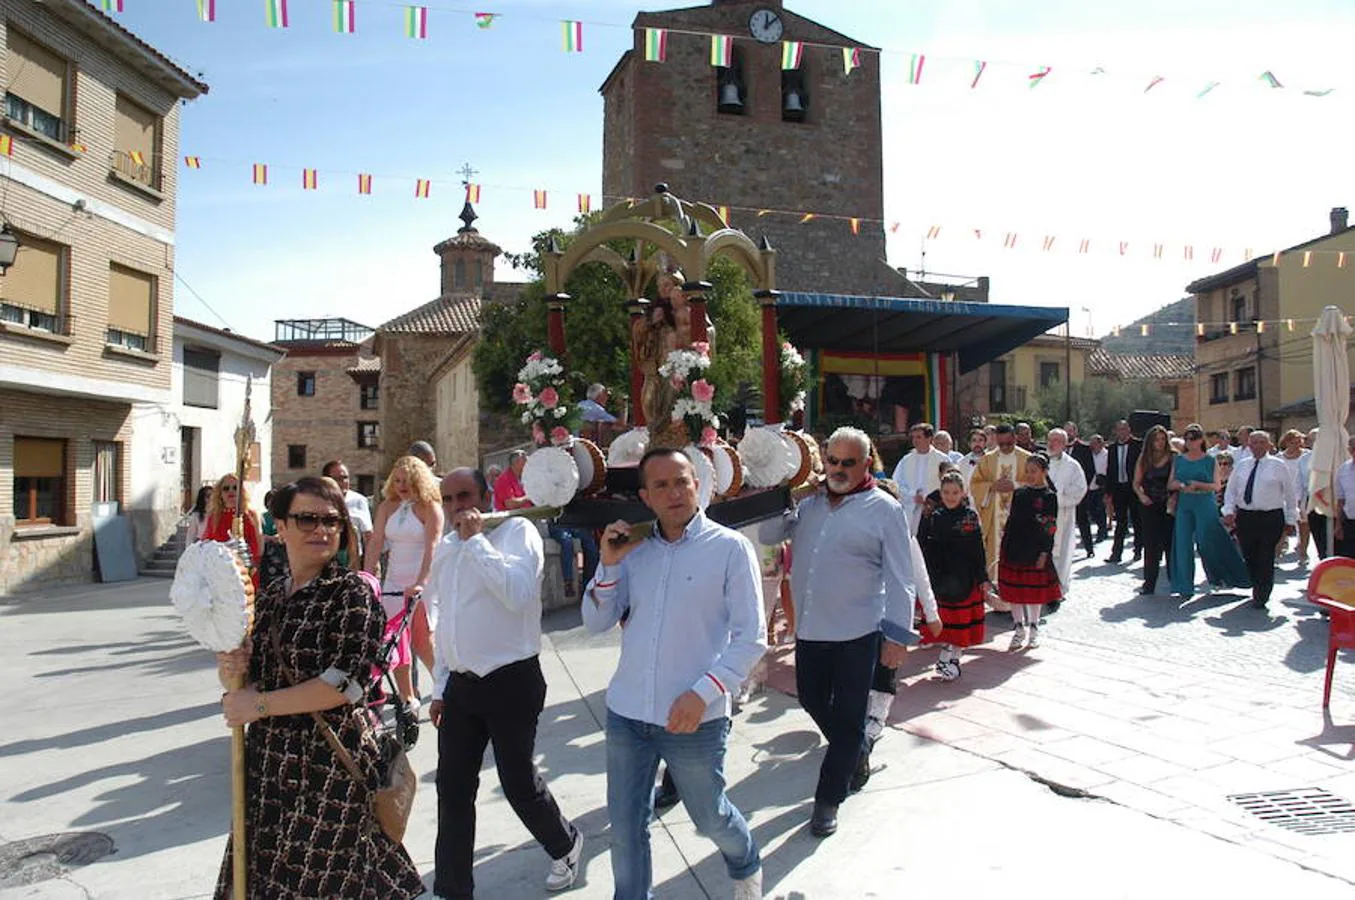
(1027,579)
(952,545)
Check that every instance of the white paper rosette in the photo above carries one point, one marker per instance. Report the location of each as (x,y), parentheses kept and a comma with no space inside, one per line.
(728,470)
(627,449)
(213,592)
(592,468)
(705,474)
(551,477)
(768,459)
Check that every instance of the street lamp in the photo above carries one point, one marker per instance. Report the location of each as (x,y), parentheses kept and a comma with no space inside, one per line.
(9,248)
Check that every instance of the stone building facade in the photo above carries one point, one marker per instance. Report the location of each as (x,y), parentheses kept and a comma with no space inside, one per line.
(87,309)
(664,123)
(327,404)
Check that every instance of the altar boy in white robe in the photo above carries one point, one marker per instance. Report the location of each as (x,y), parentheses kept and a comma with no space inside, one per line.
(1069,481)
(919,473)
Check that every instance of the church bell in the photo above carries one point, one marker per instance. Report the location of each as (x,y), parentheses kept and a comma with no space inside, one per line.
(792,107)
(730,101)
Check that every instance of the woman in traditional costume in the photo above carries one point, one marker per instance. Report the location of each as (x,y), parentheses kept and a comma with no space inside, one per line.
(1027,578)
(952,545)
(409,523)
(311,827)
(221,511)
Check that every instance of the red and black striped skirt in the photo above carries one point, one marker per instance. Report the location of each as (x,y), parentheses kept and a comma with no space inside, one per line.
(1028,585)
(961,621)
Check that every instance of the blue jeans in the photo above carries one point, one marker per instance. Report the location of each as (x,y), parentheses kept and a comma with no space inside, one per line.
(697,764)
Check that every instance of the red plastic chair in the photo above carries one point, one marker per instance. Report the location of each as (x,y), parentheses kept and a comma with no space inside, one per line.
(1331,587)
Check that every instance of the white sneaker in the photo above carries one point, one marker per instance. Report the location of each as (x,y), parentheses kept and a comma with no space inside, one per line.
(1018,638)
(565,870)
(1034,640)
(749,888)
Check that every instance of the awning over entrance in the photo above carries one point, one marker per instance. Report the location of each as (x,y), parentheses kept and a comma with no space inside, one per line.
(978,332)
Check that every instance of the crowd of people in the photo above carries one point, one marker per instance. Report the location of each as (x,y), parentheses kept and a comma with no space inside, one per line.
(949,536)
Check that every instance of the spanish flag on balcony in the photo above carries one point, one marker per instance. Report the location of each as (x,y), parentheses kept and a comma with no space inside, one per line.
(422,187)
(310,179)
(6,145)
(260,173)
(364,184)
(137,157)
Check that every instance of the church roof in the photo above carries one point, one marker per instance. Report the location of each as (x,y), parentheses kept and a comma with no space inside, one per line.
(1150,366)
(451,314)
(469,239)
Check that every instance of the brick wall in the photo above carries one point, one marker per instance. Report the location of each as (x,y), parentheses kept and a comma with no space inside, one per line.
(325,423)
(408,390)
(661,125)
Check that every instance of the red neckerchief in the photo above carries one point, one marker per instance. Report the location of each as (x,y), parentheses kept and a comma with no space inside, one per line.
(868,485)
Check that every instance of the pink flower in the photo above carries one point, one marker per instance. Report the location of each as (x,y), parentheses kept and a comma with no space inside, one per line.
(558,435)
(678,382)
(534,356)
(549,398)
(702,347)
(538,435)
(786,345)
(703,391)
(522,395)
(708,436)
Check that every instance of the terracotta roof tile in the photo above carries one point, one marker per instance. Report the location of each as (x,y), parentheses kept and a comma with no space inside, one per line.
(1156,367)
(365,364)
(452,314)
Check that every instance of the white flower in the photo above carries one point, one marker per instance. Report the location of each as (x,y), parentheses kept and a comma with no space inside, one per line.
(559,412)
(526,417)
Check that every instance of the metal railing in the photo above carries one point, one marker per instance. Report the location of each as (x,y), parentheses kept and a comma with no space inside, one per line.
(34,318)
(130,340)
(146,172)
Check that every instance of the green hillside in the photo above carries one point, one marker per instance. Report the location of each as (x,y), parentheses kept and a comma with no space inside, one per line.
(1177,339)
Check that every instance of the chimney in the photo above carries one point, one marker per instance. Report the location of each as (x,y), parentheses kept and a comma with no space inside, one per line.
(1340,219)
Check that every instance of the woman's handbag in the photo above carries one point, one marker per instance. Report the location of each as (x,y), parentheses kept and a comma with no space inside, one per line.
(393,800)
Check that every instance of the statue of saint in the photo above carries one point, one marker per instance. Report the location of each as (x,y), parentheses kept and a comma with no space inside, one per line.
(666,327)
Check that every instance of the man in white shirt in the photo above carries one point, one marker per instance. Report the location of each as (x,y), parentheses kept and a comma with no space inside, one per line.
(690,598)
(1222,442)
(1070,483)
(978,442)
(1262,504)
(484,590)
(946,444)
(918,473)
(1344,529)
(1097,486)
(1243,449)
(359,510)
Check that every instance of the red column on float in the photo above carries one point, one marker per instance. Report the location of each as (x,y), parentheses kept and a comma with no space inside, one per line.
(555,324)
(696,298)
(637,309)
(771,358)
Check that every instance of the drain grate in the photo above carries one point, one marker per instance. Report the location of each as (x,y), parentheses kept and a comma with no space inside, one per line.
(1304,810)
(50,856)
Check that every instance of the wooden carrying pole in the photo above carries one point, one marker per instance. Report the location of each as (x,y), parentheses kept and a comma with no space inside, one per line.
(244,439)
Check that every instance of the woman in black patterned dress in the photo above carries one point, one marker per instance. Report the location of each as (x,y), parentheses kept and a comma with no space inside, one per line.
(311,829)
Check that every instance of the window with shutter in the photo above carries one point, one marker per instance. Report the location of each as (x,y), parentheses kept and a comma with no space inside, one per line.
(131,308)
(201,374)
(32,293)
(136,142)
(38,86)
(39,481)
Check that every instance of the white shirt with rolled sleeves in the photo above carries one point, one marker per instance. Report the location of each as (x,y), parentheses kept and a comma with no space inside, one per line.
(1274,488)
(918,473)
(693,611)
(485,596)
(1345,486)
(360,511)
(853,567)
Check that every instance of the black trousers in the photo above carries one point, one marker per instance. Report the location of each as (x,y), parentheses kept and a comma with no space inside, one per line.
(1258,531)
(502,707)
(1127,508)
(833,679)
(1317,527)
(1157,539)
(1345,546)
(1084,519)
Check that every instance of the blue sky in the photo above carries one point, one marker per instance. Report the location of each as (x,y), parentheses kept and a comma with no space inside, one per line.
(1081,156)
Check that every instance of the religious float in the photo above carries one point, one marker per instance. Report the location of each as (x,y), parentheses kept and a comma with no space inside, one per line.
(668,244)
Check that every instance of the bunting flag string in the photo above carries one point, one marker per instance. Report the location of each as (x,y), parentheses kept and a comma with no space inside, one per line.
(310,179)
(485,20)
(571,33)
(851,59)
(192,162)
(791,53)
(260,173)
(585,203)
(112,6)
(364,184)
(721,51)
(915,68)
(207,10)
(422,188)
(472,193)
(979,67)
(345,21)
(275,13)
(539,199)
(416,22)
(1206,330)
(1035,79)
(656,45)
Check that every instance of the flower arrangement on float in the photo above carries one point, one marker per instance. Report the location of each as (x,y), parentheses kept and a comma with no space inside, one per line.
(544,400)
(794,380)
(695,396)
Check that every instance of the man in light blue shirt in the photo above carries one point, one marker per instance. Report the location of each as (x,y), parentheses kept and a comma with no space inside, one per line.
(852,580)
(690,599)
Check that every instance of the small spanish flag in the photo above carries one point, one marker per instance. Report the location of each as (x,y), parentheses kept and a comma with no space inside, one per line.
(422,187)
(856,226)
(260,173)
(364,184)
(78,147)
(539,199)
(137,157)
(310,179)
(6,145)
(192,162)
(724,214)
(585,203)
(472,193)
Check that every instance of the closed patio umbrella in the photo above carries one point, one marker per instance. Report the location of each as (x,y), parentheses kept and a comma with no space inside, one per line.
(1331,391)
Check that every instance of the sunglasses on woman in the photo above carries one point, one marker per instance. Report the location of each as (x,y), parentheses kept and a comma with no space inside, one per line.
(308,522)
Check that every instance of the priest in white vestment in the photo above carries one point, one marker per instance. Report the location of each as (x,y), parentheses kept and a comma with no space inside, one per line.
(1069,481)
(919,473)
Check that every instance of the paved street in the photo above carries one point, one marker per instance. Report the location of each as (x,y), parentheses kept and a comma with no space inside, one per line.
(1100,762)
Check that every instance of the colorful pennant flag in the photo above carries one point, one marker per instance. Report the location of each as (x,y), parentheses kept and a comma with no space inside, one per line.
(310,179)
(275,13)
(364,184)
(1157,79)
(1216,254)
(851,59)
(207,10)
(894,228)
(485,20)
(656,45)
(472,193)
(1307,258)
(1269,78)
(724,214)
(78,147)
(1085,246)
(571,35)
(791,54)
(1289,323)
(585,203)
(539,199)
(1188,252)
(1143,331)
(1157,251)
(1260,327)
(1232,328)
(807,217)
(1035,78)
(915,68)
(260,173)
(1207,88)
(763,212)
(112,6)
(192,162)
(1010,242)
(137,157)
(1199,330)
(856,226)
(1124,247)
(979,67)
(1341,260)
(1049,242)
(721,50)
(932,233)
(416,22)
(6,145)
(344,19)
(422,188)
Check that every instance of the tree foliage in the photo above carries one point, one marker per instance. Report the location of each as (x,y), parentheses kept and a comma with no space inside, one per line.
(1098,403)
(597,330)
